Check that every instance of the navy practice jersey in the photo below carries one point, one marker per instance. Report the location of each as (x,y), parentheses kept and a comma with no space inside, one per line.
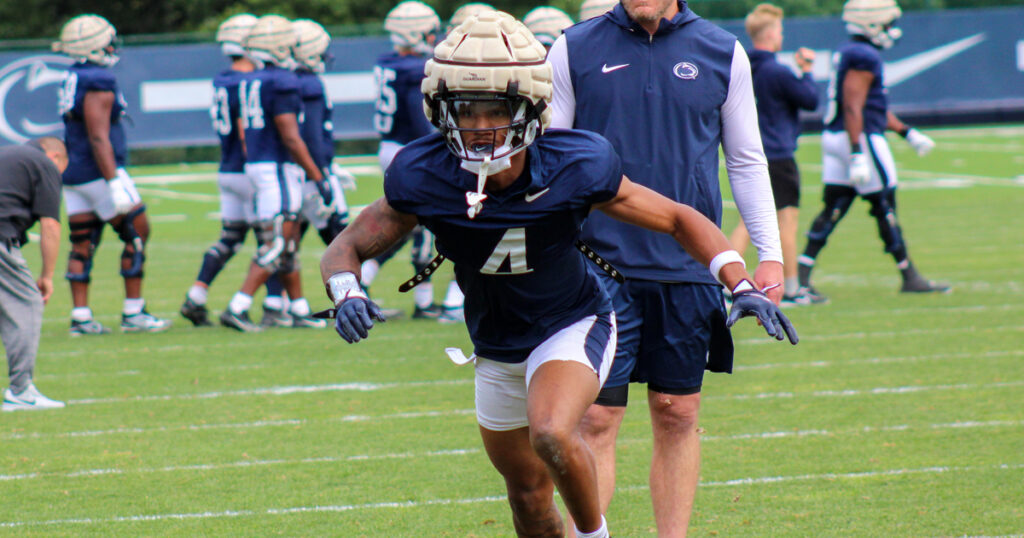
(516,261)
(315,125)
(861,56)
(780,96)
(224,112)
(265,94)
(399,115)
(82,78)
(659,101)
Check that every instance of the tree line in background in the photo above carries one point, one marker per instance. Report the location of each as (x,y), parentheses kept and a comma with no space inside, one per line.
(42,19)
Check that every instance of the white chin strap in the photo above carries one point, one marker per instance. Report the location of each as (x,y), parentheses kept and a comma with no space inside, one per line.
(482,169)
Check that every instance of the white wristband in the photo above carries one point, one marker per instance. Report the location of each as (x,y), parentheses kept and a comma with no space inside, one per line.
(721,260)
(343,286)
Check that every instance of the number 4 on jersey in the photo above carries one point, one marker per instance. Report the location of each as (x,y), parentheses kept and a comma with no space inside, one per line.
(509,256)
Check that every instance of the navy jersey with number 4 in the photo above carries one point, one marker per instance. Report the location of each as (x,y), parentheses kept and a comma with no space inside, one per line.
(516,261)
(264,94)
(82,78)
(224,112)
(315,125)
(860,56)
(399,113)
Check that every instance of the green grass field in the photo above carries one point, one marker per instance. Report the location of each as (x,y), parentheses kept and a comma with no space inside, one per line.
(894,416)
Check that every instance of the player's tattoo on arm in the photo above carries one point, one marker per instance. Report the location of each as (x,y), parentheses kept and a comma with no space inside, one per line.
(375,230)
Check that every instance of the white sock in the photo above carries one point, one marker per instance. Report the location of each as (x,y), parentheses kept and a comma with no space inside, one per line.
(133,306)
(273,302)
(369,270)
(423,294)
(454,298)
(198,294)
(300,307)
(240,303)
(792,286)
(81,313)
(602,532)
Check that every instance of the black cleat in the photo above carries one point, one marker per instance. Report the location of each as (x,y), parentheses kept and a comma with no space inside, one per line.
(196,313)
(913,282)
(239,322)
(432,311)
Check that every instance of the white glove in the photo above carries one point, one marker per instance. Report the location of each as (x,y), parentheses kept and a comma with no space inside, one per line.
(921,142)
(345,178)
(122,200)
(860,170)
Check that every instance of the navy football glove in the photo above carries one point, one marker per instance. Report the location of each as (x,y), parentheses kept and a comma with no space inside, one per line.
(748,301)
(354,318)
(326,192)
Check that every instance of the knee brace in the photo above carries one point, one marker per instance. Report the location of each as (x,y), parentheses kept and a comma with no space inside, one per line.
(422,246)
(883,209)
(271,244)
(232,235)
(88,233)
(838,200)
(134,245)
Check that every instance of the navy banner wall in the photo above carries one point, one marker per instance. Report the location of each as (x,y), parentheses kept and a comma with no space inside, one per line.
(949,65)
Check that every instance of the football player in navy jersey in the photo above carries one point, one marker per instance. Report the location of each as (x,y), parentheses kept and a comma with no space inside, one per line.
(506,205)
(856,156)
(236,191)
(667,89)
(414,27)
(97,189)
(276,158)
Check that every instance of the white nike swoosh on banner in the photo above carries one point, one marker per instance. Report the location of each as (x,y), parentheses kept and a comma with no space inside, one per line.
(911,66)
(531,197)
(606,69)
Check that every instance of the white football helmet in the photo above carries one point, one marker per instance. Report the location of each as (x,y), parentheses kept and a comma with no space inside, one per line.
(231,33)
(547,24)
(88,38)
(490,62)
(310,49)
(596,8)
(270,40)
(873,19)
(465,12)
(411,23)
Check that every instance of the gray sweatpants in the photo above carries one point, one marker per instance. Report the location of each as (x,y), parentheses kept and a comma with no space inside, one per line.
(21,316)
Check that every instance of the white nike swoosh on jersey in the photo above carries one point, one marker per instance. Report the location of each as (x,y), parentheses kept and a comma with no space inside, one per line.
(531,197)
(606,69)
(911,66)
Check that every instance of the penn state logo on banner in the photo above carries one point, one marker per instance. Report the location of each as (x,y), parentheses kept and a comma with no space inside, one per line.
(28,97)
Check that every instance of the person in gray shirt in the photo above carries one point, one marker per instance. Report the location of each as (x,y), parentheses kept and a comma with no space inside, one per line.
(30,185)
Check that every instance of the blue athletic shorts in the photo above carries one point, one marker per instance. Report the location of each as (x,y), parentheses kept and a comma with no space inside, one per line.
(669,333)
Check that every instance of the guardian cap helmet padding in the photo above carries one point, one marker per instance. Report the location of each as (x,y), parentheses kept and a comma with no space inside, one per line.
(231,33)
(410,24)
(88,38)
(874,20)
(271,40)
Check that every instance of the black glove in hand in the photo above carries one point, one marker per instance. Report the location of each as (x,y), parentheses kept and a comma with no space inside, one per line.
(748,301)
(326,192)
(354,318)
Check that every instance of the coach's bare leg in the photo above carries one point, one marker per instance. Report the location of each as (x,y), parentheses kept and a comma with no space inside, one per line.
(675,464)
(530,489)
(559,394)
(789,220)
(740,238)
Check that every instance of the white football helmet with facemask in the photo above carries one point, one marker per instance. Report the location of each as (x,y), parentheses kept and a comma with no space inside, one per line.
(231,33)
(311,44)
(270,41)
(873,19)
(88,38)
(411,25)
(490,61)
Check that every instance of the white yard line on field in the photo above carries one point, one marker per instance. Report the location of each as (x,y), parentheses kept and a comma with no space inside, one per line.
(884,334)
(176,195)
(749,481)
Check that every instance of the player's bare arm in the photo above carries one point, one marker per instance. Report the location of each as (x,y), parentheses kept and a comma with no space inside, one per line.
(96,111)
(288,127)
(700,237)
(855,94)
(893,123)
(375,230)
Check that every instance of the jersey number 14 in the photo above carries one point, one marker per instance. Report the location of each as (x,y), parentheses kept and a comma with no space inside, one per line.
(252,107)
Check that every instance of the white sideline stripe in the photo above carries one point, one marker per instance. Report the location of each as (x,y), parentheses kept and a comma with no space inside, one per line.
(909,389)
(275,391)
(881,334)
(884,360)
(176,195)
(502,498)
(170,217)
(472,451)
(170,179)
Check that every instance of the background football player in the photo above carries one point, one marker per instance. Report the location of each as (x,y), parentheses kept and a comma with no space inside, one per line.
(542,326)
(594,8)
(97,189)
(236,190)
(276,157)
(857,159)
(464,12)
(546,23)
